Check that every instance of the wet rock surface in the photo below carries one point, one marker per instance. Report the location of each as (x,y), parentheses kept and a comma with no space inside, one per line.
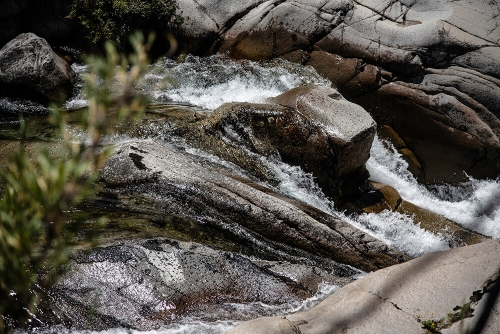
(29,69)
(423,68)
(384,197)
(428,292)
(146,283)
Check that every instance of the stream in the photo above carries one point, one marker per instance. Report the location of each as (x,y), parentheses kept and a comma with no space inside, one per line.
(206,83)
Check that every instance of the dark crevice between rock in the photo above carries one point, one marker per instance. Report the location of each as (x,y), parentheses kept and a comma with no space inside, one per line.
(137,160)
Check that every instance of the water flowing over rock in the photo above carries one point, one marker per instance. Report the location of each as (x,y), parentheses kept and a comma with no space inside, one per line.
(146,283)
(313,127)
(444,291)
(29,69)
(423,68)
(175,184)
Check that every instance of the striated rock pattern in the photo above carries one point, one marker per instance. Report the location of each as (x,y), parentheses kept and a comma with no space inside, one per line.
(170,182)
(29,69)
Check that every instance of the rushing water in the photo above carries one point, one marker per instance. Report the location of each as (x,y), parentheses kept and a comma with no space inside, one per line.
(209,82)
(472,204)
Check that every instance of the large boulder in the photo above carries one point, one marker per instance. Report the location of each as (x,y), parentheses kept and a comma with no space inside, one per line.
(313,127)
(442,292)
(29,69)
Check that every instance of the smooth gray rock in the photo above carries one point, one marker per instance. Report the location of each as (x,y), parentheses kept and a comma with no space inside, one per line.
(402,298)
(29,69)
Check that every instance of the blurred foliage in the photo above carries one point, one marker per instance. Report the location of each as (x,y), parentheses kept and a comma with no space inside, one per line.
(114,19)
(35,231)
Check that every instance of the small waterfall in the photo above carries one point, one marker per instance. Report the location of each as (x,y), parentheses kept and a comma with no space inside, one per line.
(211,81)
(394,229)
(472,204)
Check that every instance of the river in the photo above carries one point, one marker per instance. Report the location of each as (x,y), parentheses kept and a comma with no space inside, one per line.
(206,83)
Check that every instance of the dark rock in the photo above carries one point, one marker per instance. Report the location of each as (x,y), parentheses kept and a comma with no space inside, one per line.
(29,69)
(45,18)
(451,134)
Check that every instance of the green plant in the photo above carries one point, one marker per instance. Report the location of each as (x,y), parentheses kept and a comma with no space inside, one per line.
(35,233)
(113,19)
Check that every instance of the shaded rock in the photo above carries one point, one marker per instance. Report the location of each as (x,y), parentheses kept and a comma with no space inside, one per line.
(382,197)
(403,298)
(173,183)
(450,133)
(29,69)
(483,60)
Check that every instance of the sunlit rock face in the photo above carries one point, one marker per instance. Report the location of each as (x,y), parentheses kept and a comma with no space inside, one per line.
(147,283)
(425,68)
(445,291)
(29,69)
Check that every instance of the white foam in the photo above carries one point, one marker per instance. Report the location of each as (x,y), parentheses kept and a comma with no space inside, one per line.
(392,228)
(211,81)
(399,232)
(473,204)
